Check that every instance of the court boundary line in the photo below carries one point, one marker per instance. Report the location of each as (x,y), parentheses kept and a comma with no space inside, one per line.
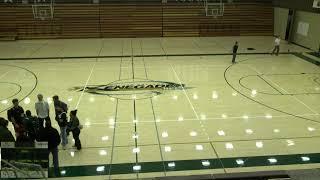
(85,86)
(208,119)
(113,139)
(207,142)
(115,126)
(128,56)
(88,79)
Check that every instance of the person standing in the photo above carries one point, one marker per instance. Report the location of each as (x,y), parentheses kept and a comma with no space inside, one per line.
(42,109)
(75,128)
(276,48)
(234,51)
(59,106)
(16,113)
(5,134)
(16,116)
(63,122)
(32,125)
(51,135)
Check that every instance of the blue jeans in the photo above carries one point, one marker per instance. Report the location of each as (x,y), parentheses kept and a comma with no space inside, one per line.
(55,158)
(63,135)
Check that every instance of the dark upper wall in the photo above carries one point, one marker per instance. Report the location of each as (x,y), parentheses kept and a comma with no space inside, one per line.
(138,1)
(304,5)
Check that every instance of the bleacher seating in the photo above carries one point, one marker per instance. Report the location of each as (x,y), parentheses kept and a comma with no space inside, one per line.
(136,20)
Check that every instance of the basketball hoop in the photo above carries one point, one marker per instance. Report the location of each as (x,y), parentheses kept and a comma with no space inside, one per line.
(43,9)
(214,9)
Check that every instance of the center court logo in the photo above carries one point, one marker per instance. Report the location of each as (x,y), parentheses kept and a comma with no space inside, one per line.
(132,88)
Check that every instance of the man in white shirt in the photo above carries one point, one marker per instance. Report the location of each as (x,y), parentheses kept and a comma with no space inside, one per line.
(42,109)
(276,46)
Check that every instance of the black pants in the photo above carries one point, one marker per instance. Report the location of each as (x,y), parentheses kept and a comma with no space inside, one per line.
(76,134)
(234,57)
(41,121)
(55,159)
(276,49)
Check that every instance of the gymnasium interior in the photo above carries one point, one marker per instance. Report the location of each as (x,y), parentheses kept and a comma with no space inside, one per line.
(156,92)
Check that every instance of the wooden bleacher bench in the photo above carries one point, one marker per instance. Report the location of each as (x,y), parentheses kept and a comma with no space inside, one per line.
(8,36)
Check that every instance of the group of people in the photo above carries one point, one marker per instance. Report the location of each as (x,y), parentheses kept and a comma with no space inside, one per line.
(275,50)
(29,128)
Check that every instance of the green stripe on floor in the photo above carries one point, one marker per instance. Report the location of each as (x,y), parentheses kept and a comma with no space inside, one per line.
(187,165)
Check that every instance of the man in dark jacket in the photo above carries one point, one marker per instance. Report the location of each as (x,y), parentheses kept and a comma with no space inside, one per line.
(59,106)
(51,135)
(15,114)
(5,134)
(32,125)
(234,52)
(63,122)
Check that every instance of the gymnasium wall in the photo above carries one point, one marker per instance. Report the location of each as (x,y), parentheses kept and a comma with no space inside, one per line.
(280,21)
(137,20)
(302,5)
(312,40)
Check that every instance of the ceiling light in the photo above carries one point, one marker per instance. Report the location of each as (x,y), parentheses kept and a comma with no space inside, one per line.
(195,96)
(259,144)
(136,168)
(221,133)
(205,163)
(199,147)
(276,130)
(290,142)
(305,158)
(249,131)
(203,117)
(105,138)
(240,162)
(229,146)
(164,134)
(135,136)
(27,100)
(103,152)
(193,133)
(171,164)
(100,168)
(136,150)
(167,149)
(268,116)
(180,118)
(272,160)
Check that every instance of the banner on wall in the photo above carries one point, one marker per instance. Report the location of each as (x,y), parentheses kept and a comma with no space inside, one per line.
(303,28)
